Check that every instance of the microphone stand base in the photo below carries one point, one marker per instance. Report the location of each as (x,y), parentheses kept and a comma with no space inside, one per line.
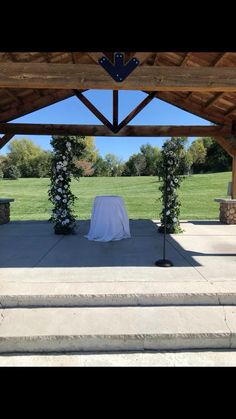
(165,263)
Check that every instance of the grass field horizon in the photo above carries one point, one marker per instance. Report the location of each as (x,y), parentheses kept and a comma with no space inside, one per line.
(140,193)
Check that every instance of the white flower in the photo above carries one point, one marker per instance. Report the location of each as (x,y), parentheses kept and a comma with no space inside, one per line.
(167,212)
(64,200)
(64,168)
(57,197)
(66,186)
(68,144)
(65,163)
(174,219)
(59,190)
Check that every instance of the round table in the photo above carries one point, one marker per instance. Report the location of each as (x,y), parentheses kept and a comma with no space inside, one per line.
(109,220)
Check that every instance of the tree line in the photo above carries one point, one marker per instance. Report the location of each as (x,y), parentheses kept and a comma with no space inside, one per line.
(26,159)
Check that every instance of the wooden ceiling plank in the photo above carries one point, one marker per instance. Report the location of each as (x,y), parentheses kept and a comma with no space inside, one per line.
(230,111)
(213,100)
(185,59)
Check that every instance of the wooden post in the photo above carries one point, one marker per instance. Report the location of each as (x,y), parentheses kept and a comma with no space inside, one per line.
(234,177)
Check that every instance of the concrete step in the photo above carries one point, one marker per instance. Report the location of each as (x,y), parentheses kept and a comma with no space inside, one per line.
(131,293)
(117,328)
(192,358)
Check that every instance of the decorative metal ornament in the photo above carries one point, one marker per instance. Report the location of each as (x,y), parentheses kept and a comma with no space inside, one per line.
(118,71)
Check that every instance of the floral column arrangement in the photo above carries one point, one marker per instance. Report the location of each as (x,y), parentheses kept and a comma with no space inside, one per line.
(65,150)
(170,161)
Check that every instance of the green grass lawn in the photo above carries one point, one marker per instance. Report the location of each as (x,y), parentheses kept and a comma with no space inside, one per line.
(141,195)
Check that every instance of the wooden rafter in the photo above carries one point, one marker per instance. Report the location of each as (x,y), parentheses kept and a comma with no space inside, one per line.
(226,144)
(185,59)
(101,130)
(213,100)
(93,109)
(215,63)
(89,76)
(136,110)
(230,111)
(156,60)
(219,59)
(5,139)
(13,96)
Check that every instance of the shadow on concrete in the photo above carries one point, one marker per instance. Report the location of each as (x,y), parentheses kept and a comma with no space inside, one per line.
(34,244)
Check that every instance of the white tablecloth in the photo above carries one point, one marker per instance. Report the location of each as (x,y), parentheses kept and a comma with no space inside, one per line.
(109,219)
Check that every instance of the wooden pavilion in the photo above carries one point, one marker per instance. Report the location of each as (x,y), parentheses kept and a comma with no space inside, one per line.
(202,83)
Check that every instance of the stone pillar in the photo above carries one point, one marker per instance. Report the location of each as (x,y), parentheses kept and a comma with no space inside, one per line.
(227,210)
(4,213)
(5,210)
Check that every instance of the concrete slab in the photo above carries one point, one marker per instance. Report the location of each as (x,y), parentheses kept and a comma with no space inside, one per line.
(116,293)
(31,252)
(111,328)
(204,358)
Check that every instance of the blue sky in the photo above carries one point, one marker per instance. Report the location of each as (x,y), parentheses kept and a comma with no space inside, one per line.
(72,111)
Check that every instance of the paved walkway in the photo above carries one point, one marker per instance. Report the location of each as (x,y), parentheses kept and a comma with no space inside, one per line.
(31,252)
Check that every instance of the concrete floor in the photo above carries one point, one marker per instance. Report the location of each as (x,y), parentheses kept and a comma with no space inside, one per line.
(31,252)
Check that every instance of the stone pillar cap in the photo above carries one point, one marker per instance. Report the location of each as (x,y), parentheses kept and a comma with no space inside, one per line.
(226,200)
(6,200)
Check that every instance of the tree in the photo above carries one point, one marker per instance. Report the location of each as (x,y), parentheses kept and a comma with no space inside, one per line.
(11,172)
(152,158)
(86,167)
(41,164)
(198,152)
(135,166)
(90,152)
(22,155)
(114,165)
(101,167)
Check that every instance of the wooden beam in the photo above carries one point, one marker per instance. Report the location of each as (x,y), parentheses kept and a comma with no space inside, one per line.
(136,110)
(4,140)
(93,109)
(115,108)
(213,100)
(226,144)
(90,76)
(129,131)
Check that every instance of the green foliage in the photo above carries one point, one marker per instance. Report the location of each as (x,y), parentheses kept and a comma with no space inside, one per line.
(171,156)
(29,158)
(66,151)
(145,163)
(114,165)
(12,172)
